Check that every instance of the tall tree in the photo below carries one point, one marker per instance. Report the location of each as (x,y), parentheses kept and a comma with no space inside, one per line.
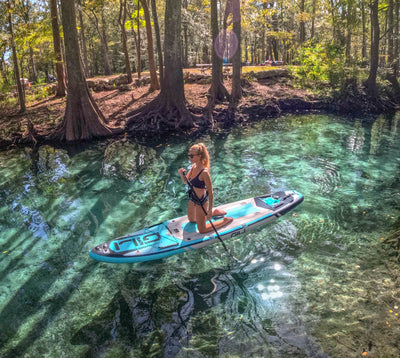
(83,42)
(82,118)
(392,58)
(217,91)
(60,90)
(237,57)
(314,9)
(158,40)
(370,83)
(168,110)
(302,25)
(154,85)
(185,59)
(136,22)
(121,20)
(21,93)
(364,31)
(350,23)
(27,8)
(101,30)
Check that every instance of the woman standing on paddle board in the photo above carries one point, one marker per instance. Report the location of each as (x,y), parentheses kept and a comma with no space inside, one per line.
(203,195)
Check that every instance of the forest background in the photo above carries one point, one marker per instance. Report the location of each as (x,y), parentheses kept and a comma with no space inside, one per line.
(338,55)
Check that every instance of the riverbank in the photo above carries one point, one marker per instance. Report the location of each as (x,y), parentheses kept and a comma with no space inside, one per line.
(267,94)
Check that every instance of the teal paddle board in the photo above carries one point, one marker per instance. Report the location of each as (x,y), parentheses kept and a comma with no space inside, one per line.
(179,235)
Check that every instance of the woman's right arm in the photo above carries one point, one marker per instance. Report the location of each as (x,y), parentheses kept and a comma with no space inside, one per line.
(181,171)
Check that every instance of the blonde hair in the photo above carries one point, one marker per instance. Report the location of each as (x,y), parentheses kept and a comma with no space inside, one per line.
(203,152)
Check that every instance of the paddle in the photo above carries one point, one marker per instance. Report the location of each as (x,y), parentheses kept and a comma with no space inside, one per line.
(205,213)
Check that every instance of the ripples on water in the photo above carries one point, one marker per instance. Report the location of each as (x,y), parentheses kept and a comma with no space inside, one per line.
(313,284)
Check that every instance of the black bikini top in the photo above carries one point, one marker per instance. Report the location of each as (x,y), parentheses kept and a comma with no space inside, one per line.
(197,183)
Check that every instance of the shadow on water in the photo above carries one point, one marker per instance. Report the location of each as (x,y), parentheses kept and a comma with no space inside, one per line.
(26,303)
(210,312)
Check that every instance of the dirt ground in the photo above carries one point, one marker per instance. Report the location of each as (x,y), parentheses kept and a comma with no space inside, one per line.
(116,104)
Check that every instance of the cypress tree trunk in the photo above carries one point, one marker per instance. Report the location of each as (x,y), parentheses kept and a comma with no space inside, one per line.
(104,44)
(158,40)
(237,58)
(391,74)
(185,60)
(302,29)
(21,92)
(217,91)
(82,119)
(364,32)
(314,6)
(138,44)
(121,20)
(168,111)
(103,40)
(370,83)
(60,90)
(83,43)
(154,84)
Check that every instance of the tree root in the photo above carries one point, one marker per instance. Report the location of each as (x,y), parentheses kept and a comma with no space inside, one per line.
(162,115)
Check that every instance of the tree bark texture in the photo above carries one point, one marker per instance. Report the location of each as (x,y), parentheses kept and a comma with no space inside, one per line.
(217,91)
(21,92)
(103,40)
(374,55)
(302,26)
(60,90)
(154,84)
(237,57)
(82,119)
(83,43)
(121,20)
(168,110)
(158,40)
(138,44)
(364,31)
(392,59)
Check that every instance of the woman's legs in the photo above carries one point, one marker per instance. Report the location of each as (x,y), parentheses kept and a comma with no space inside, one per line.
(201,220)
(191,212)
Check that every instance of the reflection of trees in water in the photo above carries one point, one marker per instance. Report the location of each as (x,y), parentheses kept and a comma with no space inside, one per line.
(144,175)
(356,138)
(128,160)
(159,312)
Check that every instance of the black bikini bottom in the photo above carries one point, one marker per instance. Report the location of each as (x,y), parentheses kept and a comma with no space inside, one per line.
(198,201)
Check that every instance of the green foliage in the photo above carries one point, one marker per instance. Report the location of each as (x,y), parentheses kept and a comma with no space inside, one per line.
(41,92)
(134,22)
(320,66)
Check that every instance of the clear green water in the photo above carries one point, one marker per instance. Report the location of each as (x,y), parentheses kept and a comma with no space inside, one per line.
(315,283)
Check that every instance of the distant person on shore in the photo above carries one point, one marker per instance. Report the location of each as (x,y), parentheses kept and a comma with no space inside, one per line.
(202,193)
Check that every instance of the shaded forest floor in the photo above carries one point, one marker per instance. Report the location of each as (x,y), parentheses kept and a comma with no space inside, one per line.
(263,98)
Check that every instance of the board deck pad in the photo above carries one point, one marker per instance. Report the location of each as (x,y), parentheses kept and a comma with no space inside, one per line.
(179,235)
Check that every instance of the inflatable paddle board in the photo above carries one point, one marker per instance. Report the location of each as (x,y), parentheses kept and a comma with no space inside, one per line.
(179,235)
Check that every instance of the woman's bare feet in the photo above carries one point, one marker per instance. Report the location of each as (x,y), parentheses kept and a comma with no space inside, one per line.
(215,225)
(226,221)
(218,212)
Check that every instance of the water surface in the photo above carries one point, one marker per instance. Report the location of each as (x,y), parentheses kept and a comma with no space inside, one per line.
(315,283)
